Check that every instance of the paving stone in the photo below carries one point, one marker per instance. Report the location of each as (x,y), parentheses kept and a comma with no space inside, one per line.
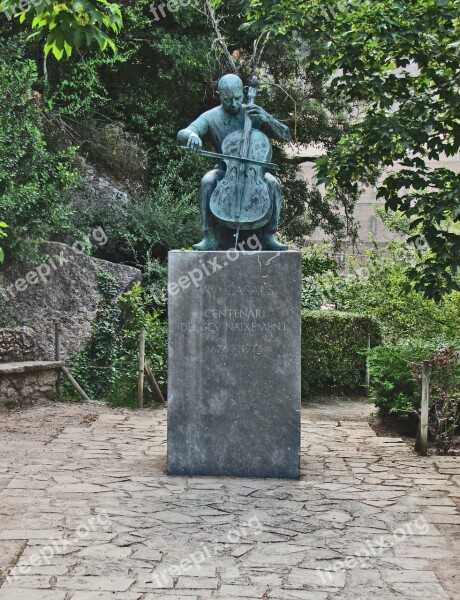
(105,551)
(174,517)
(105,584)
(151,554)
(156,580)
(172,596)
(443,519)
(241,551)
(400,576)
(28,534)
(367,593)
(270,580)
(317,578)
(48,570)
(240,591)
(105,596)
(77,488)
(364,577)
(433,591)
(283,594)
(14,593)
(197,583)
(421,552)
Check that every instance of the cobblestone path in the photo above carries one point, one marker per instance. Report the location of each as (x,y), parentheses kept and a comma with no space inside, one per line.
(95,517)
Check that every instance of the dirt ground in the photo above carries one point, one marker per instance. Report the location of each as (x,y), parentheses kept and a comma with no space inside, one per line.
(38,426)
(339,408)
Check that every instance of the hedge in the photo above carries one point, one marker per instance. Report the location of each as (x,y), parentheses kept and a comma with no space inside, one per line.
(334,346)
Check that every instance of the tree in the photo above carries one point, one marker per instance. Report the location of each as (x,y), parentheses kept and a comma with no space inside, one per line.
(68,24)
(397,62)
(33,175)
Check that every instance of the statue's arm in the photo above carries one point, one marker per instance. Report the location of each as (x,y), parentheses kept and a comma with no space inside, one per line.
(191,136)
(279,131)
(184,135)
(269,124)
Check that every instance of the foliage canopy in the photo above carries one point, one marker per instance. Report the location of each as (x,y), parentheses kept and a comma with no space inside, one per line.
(68,24)
(398,64)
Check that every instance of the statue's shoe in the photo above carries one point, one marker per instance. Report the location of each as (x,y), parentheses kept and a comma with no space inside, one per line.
(269,242)
(207,244)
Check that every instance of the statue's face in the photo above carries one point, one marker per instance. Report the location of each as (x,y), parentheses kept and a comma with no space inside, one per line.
(232,99)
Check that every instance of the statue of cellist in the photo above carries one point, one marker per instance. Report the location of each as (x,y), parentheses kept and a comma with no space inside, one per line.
(219,123)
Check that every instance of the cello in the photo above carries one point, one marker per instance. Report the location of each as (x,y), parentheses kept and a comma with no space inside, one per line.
(241,199)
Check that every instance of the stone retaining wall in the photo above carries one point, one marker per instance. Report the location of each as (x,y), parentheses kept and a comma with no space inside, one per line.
(17,345)
(22,384)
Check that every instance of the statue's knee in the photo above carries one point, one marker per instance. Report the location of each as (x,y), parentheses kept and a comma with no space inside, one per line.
(273,184)
(210,179)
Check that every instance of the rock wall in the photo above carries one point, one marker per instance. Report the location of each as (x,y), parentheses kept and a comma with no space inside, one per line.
(63,288)
(17,345)
(22,387)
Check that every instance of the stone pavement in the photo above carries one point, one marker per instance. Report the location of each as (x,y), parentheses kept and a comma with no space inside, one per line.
(96,518)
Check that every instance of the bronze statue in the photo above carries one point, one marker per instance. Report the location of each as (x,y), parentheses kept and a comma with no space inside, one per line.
(238,196)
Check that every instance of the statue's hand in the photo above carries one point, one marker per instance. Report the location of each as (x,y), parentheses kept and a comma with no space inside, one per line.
(194,143)
(257,111)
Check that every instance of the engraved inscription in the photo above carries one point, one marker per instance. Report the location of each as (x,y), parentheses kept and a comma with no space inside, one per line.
(244,349)
(236,320)
(236,326)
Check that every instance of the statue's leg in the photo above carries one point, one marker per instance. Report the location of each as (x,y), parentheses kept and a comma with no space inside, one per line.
(269,241)
(208,185)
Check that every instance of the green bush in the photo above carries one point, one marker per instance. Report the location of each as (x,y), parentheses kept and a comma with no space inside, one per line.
(396,387)
(32,175)
(317,265)
(444,411)
(392,386)
(334,348)
(381,288)
(107,368)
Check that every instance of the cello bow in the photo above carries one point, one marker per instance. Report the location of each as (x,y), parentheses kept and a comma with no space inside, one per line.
(248,161)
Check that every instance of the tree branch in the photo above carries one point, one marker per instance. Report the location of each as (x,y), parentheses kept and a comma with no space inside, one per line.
(220,38)
(257,56)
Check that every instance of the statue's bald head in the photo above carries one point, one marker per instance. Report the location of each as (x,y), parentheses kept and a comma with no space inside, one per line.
(230,82)
(231,93)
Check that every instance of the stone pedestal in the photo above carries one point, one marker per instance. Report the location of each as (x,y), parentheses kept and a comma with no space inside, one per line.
(234,364)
